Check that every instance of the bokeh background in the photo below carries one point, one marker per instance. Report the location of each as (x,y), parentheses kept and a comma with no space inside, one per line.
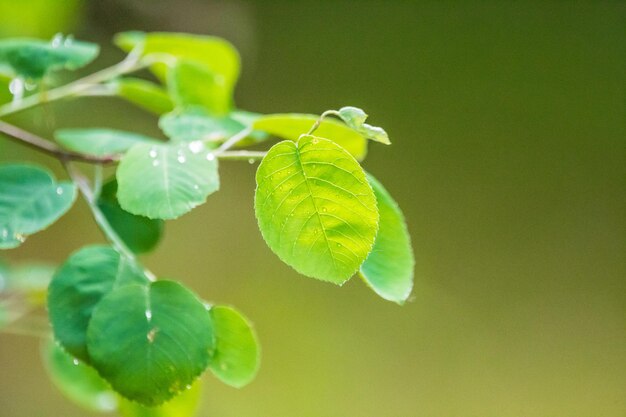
(508,127)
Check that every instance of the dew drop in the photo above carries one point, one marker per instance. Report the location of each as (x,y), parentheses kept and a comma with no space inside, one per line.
(181,159)
(16,87)
(19,237)
(196,146)
(210,156)
(106,401)
(75,362)
(188,387)
(69,40)
(153,153)
(196,187)
(324,209)
(5,233)
(57,40)
(59,190)
(155,163)
(251,161)
(149,315)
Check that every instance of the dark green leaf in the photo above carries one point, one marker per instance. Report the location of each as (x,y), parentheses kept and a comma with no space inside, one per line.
(30,201)
(160,346)
(100,141)
(144,94)
(79,285)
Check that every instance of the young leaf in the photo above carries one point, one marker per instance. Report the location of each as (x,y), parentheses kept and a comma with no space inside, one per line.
(139,233)
(33,58)
(191,84)
(315,208)
(194,123)
(184,404)
(166,181)
(144,94)
(30,201)
(355,119)
(388,269)
(77,381)
(237,354)
(214,53)
(78,286)
(291,126)
(167,340)
(100,142)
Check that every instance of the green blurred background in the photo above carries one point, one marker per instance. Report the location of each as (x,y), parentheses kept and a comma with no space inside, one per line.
(508,158)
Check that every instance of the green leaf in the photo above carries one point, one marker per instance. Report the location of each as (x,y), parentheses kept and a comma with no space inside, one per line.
(30,201)
(237,354)
(388,269)
(79,285)
(33,58)
(291,126)
(214,53)
(5,92)
(315,208)
(195,123)
(166,181)
(139,233)
(191,84)
(375,133)
(100,142)
(144,94)
(77,381)
(247,119)
(162,344)
(355,119)
(183,405)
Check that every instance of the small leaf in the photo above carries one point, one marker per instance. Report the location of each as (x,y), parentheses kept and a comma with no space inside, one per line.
(191,84)
(144,94)
(166,181)
(167,339)
(237,355)
(195,123)
(388,269)
(30,201)
(99,142)
(33,58)
(352,116)
(214,53)
(315,208)
(375,133)
(78,286)
(183,405)
(291,126)
(77,381)
(139,233)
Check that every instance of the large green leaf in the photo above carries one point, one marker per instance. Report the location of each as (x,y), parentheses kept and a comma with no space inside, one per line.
(150,342)
(237,353)
(144,94)
(388,269)
(214,53)
(100,141)
(166,181)
(30,201)
(79,285)
(191,84)
(77,381)
(292,125)
(315,208)
(184,404)
(33,58)
(139,233)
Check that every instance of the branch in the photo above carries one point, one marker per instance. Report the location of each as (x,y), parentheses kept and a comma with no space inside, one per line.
(36,142)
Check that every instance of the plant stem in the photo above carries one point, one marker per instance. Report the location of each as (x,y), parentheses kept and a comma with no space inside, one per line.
(319,121)
(233,140)
(242,155)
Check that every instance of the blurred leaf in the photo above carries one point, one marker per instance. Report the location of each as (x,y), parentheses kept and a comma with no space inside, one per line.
(40,18)
(32,279)
(192,124)
(77,381)
(100,141)
(139,233)
(166,181)
(315,208)
(292,125)
(375,133)
(247,119)
(79,285)
(388,269)
(33,58)
(184,404)
(355,119)
(190,84)
(216,54)
(5,93)
(237,355)
(30,201)
(167,335)
(144,94)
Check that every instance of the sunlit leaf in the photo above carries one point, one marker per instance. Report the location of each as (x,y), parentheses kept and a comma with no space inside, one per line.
(315,208)
(139,233)
(33,58)
(292,125)
(79,285)
(184,404)
(99,141)
(388,269)
(77,381)
(30,200)
(162,344)
(144,94)
(237,354)
(191,84)
(355,119)
(166,181)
